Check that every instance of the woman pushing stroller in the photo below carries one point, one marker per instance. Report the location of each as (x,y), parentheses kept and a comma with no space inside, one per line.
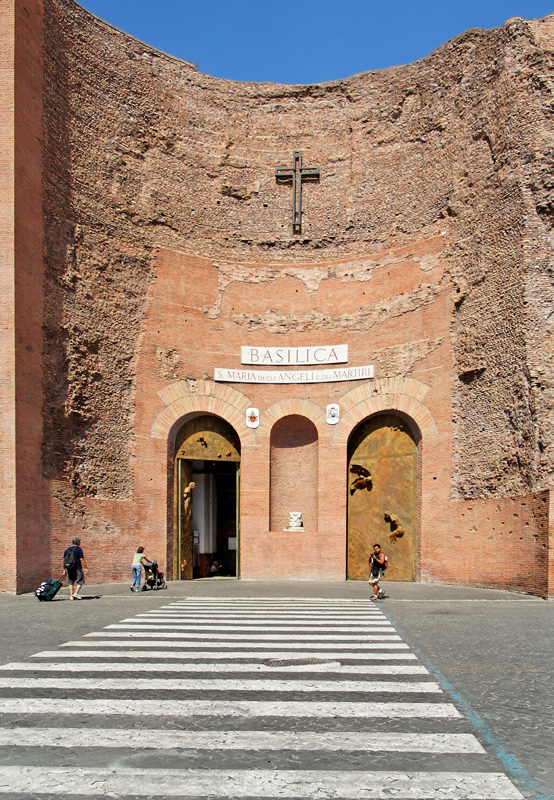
(139,561)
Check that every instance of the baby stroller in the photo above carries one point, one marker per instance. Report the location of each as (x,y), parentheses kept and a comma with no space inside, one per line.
(154,579)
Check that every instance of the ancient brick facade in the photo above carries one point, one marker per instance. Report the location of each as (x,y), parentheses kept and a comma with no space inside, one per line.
(145,239)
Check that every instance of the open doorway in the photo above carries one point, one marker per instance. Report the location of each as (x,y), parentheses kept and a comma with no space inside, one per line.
(207,492)
(214,518)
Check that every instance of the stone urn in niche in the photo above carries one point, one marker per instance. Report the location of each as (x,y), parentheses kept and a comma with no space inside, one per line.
(295,521)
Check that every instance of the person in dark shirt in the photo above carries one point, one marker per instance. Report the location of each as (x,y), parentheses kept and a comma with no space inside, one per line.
(376,571)
(76,573)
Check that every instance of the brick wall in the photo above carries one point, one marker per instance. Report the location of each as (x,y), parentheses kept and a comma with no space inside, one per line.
(33,524)
(8,563)
(24,524)
(168,245)
(501,543)
(293,465)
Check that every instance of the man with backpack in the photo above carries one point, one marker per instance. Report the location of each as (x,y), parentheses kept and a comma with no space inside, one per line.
(75,566)
(377,567)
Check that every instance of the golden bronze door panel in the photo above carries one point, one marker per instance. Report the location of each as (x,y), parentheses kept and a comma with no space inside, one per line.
(382,468)
(183,550)
(207,439)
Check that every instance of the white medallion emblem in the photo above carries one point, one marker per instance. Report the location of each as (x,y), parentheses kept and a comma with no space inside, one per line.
(252,417)
(332,415)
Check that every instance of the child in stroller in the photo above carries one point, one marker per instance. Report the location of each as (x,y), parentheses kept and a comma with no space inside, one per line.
(154,579)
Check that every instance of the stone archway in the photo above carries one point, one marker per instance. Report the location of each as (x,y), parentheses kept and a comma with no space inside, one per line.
(382,476)
(206,498)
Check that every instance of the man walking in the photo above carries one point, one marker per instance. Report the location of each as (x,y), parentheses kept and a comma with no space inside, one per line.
(75,566)
(376,571)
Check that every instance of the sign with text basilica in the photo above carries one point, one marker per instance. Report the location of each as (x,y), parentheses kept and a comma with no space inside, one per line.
(294,356)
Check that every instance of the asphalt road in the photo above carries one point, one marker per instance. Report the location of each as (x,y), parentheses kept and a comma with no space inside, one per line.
(491,652)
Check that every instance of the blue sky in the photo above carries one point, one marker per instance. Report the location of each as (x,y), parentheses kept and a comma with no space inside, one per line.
(304,41)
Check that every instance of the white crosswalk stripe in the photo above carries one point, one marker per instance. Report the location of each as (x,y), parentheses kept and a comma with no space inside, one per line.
(173,640)
(322,633)
(239,708)
(324,692)
(132,651)
(263,783)
(214,685)
(161,633)
(279,617)
(168,625)
(245,740)
(359,669)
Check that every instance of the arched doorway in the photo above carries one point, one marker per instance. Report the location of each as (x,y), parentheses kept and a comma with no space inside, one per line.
(207,492)
(382,474)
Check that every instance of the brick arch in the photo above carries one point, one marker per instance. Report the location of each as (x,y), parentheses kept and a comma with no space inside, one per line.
(181,399)
(404,395)
(286,408)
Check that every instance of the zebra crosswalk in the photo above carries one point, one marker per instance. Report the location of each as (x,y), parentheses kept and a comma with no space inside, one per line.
(245,698)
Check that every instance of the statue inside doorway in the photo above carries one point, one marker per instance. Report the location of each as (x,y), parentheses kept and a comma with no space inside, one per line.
(186,522)
(187,500)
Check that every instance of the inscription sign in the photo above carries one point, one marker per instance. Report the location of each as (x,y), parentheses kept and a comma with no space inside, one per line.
(294,356)
(295,376)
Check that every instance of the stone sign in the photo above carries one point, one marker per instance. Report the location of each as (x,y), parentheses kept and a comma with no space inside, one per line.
(294,356)
(295,376)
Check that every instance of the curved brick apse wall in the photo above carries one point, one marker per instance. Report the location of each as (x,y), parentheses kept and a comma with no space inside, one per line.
(425,246)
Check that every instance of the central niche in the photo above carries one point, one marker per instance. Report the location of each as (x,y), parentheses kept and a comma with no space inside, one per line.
(293,472)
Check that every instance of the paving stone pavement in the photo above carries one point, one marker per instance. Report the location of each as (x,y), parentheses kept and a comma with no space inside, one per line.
(243,690)
(498,657)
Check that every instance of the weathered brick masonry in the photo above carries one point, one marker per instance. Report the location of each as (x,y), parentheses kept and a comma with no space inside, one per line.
(144,239)
(24,520)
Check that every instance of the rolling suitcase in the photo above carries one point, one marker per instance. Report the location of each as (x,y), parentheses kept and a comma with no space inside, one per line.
(48,589)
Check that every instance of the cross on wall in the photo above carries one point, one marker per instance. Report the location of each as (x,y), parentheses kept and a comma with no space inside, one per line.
(296,174)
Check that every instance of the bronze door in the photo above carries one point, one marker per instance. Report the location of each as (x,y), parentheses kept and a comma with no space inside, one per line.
(382,468)
(183,562)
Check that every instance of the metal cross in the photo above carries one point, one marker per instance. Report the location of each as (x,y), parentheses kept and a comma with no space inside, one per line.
(297,174)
